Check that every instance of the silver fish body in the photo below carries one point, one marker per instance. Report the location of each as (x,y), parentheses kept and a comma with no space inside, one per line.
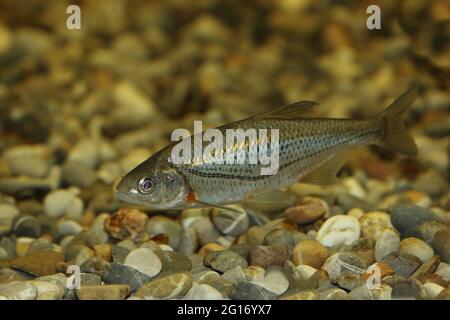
(310,150)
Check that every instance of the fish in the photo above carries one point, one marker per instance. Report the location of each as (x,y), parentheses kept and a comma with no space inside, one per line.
(310,149)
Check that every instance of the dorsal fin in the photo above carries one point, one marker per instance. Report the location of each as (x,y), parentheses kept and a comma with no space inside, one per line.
(293,110)
(326,172)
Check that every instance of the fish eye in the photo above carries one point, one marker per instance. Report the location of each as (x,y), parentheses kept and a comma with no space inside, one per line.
(145,185)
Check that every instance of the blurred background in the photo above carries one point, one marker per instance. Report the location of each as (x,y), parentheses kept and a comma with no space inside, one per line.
(79,108)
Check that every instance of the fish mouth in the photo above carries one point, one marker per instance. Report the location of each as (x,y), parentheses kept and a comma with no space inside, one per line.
(125,197)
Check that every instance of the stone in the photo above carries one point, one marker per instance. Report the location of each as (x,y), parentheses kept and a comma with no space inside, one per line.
(339,230)
(417,248)
(62,202)
(387,243)
(78,174)
(333,294)
(164,225)
(105,292)
(444,271)
(304,295)
(374,223)
(279,235)
(425,231)
(309,210)
(145,261)
(343,263)
(103,251)
(95,265)
(350,281)
(68,228)
(224,260)
(251,291)
(310,252)
(173,261)
(205,229)
(47,290)
(441,244)
(27,226)
(430,290)
(230,222)
(126,223)
(118,273)
(403,263)
(364,293)
(426,268)
(18,291)
(172,286)
(38,264)
(235,274)
(275,280)
(266,256)
(209,247)
(189,242)
(406,216)
(204,292)
(254,274)
(23,245)
(7,214)
(28,160)
(255,235)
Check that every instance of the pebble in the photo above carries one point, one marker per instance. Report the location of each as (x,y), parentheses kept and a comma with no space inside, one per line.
(38,264)
(339,230)
(172,286)
(343,263)
(78,174)
(16,290)
(47,290)
(85,151)
(205,229)
(309,210)
(164,225)
(63,202)
(441,244)
(230,222)
(406,216)
(7,214)
(444,271)
(254,274)
(23,245)
(144,260)
(175,262)
(310,252)
(203,292)
(235,274)
(425,231)
(417,248)
(275,280)
(105,292)
(28,160)
(430,290)
(189,242)
(387,243)
(117,273)
(333,294)
(224,260)
(251,291)
(209,247)
(126,223)
(347,202)
(266,256)
(27,226)
(374,223)
(304,295)
(255,235)
(426,268)
(364,293)
(68,228)
(402,263)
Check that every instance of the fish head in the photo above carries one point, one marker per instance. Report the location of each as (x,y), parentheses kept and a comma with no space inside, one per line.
(154,184)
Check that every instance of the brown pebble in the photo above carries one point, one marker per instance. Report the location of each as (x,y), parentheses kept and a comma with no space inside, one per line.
(310,252)
(309,210)
(266,256)
(126,223)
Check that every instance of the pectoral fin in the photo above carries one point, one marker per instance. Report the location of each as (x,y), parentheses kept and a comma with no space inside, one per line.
(326,173)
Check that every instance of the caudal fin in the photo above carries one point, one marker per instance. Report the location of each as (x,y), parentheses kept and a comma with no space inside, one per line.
(394,134)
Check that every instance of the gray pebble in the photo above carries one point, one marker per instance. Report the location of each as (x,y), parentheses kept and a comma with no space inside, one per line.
(78,174)
(18,291)
(402,263)
(27,226)
(224,260)
(230,222)
(387,242)
(161,224)
(144,260)
(406,216)
(251,291)
(205,230)
(118,273)
(343,263)
(7,214)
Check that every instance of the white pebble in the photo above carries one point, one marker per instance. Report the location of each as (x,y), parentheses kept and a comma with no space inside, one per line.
(275,280)
(417,248)
(144,260)
(339,230)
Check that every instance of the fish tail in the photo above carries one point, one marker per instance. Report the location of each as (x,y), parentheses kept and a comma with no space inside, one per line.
(394,134)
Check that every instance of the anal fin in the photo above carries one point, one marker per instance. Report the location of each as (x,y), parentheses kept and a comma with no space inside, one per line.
(326,173)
